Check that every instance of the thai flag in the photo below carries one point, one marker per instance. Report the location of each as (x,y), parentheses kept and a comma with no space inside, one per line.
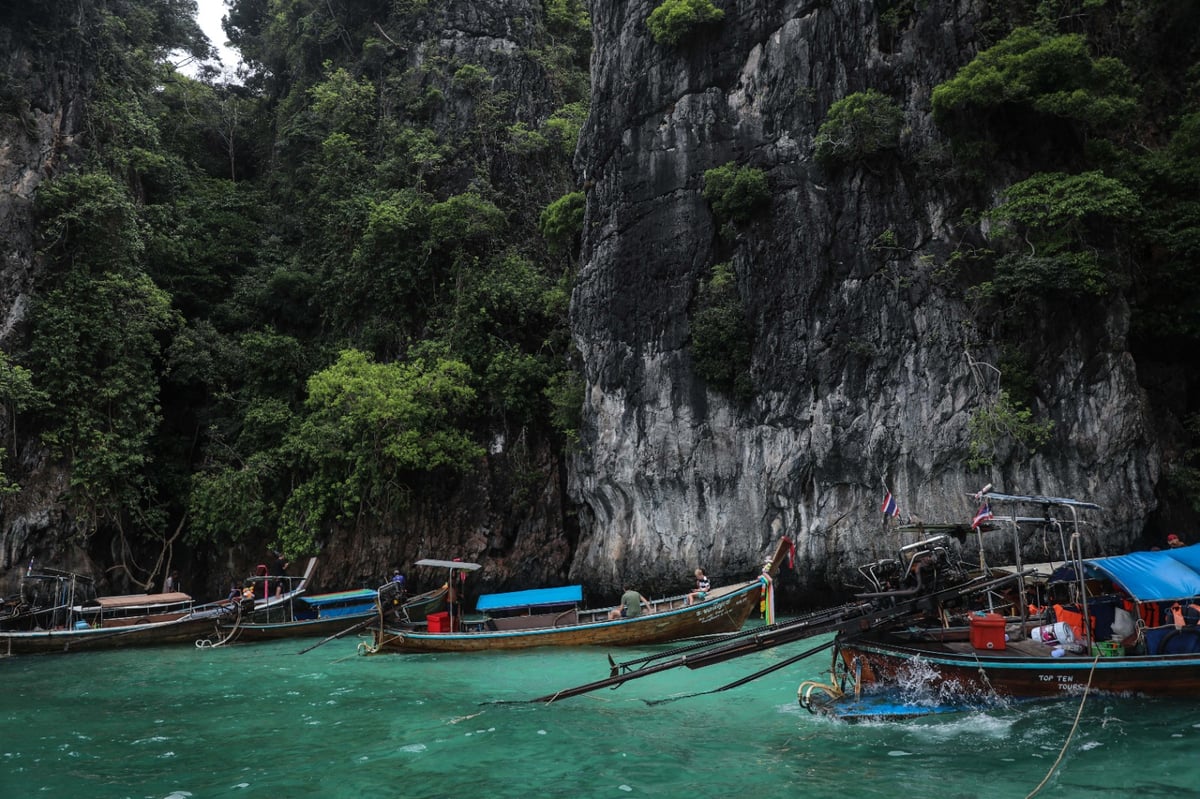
(889,507)
(985,513)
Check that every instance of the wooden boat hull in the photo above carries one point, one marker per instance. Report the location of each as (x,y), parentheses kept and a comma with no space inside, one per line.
(726,611)
(281,622)
(176,631)
(302,628)
(1024,669)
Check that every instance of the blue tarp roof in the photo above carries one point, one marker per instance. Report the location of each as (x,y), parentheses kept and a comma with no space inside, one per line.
(1155,576)
(564,595)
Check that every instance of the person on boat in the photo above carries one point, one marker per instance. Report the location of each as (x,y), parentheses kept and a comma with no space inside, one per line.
(700,593)
(398,582)
(1174,541)
(172,583)
(278,568)
(631,605)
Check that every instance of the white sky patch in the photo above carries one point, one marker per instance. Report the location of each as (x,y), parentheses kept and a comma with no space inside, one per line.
(208,15)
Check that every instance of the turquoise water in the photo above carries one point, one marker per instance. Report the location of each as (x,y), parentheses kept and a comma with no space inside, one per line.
(259,720)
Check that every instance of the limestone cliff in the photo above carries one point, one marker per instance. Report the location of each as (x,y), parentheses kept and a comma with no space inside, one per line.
(868,358)
(866,365)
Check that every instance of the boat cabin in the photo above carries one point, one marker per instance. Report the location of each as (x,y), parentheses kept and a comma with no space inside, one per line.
(528,610)
(333,605)
(46,600)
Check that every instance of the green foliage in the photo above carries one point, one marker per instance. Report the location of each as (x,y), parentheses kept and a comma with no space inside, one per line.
(464,221)
(736,193)
(88,219)
(1049,74)
(562,220)
(342,104)
(96,344)
(17,395)
(674,20)
(200,240)
(365,426)
(418,154)
(565,392)
(1058,220)
(472,78)
(228,504)
(567,15)
(523,141)
(1000,422)
(565,124)
(857,127)
(721,339)
(389,277)
(357,190)
(1168,304)
(17,390)
(1060,206)
(1182,476)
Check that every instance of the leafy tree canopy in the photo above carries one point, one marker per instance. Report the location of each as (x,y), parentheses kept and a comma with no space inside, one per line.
(858,126)
(736,193)
(673,20)
(1051,74)
(365,425)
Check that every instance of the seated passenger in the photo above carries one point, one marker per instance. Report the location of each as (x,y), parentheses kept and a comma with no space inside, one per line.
(700,592)
(630,607)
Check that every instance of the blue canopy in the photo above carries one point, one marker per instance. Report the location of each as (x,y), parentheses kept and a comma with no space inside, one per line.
(537,597)
(341,597)
(1155,576)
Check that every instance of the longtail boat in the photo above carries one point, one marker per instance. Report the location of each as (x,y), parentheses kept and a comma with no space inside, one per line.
(553,617)
(60,612)
(929,638)
(336,613)
(307,615)
(77,619)
(1124,625)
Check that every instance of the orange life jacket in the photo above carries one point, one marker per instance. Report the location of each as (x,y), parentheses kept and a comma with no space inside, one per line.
(1074,618)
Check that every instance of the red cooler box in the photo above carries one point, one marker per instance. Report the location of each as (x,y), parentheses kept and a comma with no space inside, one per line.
(438,622)
(987,632)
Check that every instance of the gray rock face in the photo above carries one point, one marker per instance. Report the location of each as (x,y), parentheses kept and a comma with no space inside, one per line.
(37,139)
(867,366)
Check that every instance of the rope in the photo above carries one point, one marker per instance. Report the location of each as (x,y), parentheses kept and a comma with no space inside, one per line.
(207,643)
(983,678)
(368,649)
(1070,735)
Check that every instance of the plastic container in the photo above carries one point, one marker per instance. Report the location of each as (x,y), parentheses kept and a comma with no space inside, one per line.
(1108,649)
(1057,633)
(987,631)
(438,622)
